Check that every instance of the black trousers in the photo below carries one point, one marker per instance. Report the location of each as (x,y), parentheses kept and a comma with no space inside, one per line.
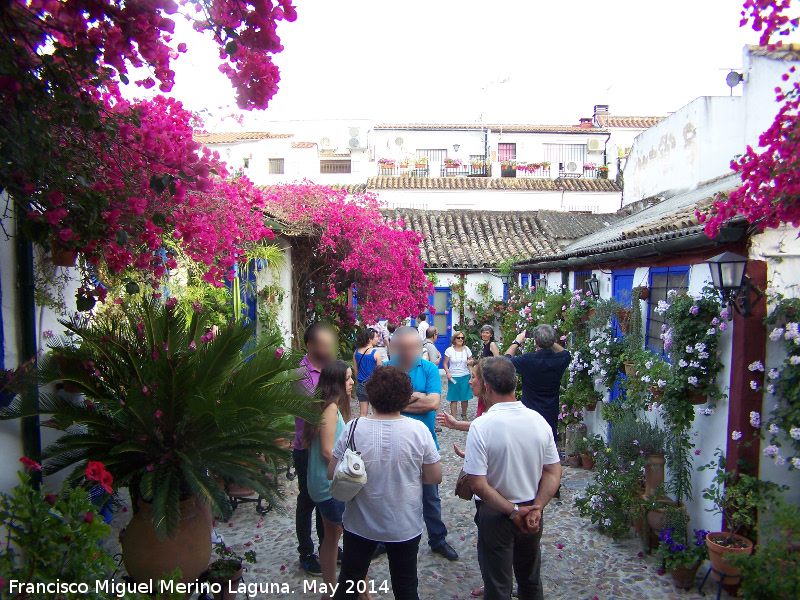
(355,564)
(305,506)
(505,551)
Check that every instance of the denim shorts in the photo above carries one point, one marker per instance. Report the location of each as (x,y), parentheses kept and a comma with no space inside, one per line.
(361,391)
(332,510)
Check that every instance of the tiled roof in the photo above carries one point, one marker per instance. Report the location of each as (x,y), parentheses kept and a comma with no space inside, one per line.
(669,219)
(486,183)
(507,128)
(572,225)
(627,122)
(471,239)
(303,144)
(231,137)
(782,52)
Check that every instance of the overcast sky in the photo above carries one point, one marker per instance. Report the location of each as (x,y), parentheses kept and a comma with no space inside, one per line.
(443,62)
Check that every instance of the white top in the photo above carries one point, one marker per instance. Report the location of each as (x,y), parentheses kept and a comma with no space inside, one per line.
(458,361)
(422,327)
(389,507)
(510,444)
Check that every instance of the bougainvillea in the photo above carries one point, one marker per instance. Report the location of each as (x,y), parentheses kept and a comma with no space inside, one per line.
(341,243)
(770,191)
(123,182)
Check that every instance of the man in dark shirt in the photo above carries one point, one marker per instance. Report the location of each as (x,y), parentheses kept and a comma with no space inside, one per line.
(541,372)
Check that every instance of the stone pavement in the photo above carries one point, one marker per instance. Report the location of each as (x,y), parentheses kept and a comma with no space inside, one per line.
(578,562)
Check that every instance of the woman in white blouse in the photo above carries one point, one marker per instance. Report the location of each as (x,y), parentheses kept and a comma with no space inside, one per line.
(457,361)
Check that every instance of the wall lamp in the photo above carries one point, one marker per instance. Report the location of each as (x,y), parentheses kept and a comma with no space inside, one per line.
(456,147)
(728,276)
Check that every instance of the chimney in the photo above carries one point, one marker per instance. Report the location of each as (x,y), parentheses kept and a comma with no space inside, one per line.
(601,111)
(586,123)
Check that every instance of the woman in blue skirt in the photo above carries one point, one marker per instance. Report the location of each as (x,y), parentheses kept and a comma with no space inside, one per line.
(457,361)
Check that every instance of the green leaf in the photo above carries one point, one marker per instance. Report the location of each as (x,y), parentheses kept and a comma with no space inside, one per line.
(123,79)
(231,33)
(231,48)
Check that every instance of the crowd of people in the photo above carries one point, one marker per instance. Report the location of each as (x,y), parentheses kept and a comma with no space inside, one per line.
(511,462)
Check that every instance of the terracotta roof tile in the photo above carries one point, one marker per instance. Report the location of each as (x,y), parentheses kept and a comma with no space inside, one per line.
(789,52)
(613,121)
(303,144)
(560,225)
(233,137)
(507,128)
(485,183)
(471,239)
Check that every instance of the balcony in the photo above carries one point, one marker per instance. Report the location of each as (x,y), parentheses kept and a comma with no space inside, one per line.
(396,169)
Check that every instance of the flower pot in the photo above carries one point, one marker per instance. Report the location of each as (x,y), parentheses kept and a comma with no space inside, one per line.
(226,585)
(717,553)
(653,472)
(587,461)
(624,320)
(697,398)
(589,314)
(684,577)
(655,517)
(146,557)
(574,461)
(657,392)
(63,257)
(644,293)
(573,433)
(630,369)
(592,406)
(420,165)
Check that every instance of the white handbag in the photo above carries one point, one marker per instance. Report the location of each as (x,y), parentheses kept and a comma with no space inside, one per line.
(350,475)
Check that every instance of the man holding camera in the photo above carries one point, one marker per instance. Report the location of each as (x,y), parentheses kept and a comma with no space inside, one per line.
(541,372)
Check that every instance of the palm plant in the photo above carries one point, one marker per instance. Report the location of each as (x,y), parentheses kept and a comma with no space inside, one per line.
(169,408)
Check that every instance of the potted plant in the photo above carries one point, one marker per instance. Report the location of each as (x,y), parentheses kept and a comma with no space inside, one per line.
(602,171)
(386,164)
(773,570)
(653,372)
(612,500)
(62,256)
(589,166)
(738,498)
(589,449)
(453,163)
(228,569)
(681,555)
(187,406)
(421,163)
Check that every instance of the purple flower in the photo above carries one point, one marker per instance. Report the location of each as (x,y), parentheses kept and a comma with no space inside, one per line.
(694,309)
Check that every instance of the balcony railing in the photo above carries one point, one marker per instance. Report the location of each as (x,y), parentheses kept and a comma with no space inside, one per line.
(403,170)
(585,174)
(532,172)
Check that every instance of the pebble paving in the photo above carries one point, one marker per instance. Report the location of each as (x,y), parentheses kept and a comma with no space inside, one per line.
(578,563)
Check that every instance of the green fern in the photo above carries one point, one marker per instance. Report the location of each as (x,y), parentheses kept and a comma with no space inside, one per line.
(168,414)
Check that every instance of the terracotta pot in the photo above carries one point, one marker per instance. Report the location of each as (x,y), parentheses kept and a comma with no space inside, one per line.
(657,392)
(420,165)
(697,398)
(655,518)
(718,553)
(587,461)
(653,472)
(644,293)
(588,315)
(146,557)
(684,577)
(63,257)
(591,407)
(226,585)
(630,369)
(574,461)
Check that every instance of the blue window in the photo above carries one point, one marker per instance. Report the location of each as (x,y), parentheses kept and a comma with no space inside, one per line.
(505,292)
(580,279)
(662,279)
(523,281)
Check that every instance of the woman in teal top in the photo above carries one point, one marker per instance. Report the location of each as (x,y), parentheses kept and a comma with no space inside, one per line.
(334,390)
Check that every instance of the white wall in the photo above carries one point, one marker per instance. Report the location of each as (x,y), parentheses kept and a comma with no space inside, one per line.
(283,278)
(691,146)
(762,75)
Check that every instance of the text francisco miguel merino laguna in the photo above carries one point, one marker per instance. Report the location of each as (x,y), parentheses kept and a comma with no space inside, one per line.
(165,586)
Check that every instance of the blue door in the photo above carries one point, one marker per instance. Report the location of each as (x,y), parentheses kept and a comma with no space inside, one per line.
(442,319)
(621,287)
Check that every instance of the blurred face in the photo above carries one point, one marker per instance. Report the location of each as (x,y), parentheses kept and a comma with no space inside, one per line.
(458,340)
(408,350)
(486,335)
(348,382)
(323,348)
(476,383)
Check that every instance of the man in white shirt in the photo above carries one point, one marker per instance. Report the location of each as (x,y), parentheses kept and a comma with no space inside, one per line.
(514,467)
(422,326)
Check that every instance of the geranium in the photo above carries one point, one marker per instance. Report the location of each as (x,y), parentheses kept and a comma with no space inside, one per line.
(96,471)
(736,435)
(30,464)
(755,419)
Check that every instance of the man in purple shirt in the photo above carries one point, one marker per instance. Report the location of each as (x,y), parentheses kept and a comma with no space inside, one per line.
(321,347)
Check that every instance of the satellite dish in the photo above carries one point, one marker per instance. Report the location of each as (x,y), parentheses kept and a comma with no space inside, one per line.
(353,143)
(325,143)
(398,141)
(354,131)
(733,79)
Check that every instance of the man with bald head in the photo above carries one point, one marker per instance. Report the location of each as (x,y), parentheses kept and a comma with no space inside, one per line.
(406,351)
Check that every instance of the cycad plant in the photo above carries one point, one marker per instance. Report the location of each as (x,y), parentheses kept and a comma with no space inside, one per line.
(170,407)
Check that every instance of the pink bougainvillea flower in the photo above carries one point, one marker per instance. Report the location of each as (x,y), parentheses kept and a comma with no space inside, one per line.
(559,546)
(158,414)
(283,567)
(278,352)
(88,517)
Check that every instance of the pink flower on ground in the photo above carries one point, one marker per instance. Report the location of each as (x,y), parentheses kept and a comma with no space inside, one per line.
(159,414)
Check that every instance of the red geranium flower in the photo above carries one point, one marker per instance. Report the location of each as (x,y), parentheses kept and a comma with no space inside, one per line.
(30,464)
(96,471)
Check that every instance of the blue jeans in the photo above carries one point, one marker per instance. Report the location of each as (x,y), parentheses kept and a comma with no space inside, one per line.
(432,513)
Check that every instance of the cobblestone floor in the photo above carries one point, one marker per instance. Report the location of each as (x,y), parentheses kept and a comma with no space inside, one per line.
(578,562)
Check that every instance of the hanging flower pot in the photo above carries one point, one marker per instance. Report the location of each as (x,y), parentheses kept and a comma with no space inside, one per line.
(63,257)
(696,397)
(591,406)
(630,369)
(719,546)
(657,392)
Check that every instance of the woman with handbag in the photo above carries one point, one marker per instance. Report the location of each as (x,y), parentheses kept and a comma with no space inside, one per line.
(457,363)
(334,391)
(365,359)
(399,456)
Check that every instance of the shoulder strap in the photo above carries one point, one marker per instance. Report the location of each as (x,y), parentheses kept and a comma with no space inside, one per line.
(351,442)
(358,366)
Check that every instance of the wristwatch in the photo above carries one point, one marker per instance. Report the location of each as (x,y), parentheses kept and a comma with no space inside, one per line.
(514,513)
(516,342)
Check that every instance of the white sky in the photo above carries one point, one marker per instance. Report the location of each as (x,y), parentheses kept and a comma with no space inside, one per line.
(428,61)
